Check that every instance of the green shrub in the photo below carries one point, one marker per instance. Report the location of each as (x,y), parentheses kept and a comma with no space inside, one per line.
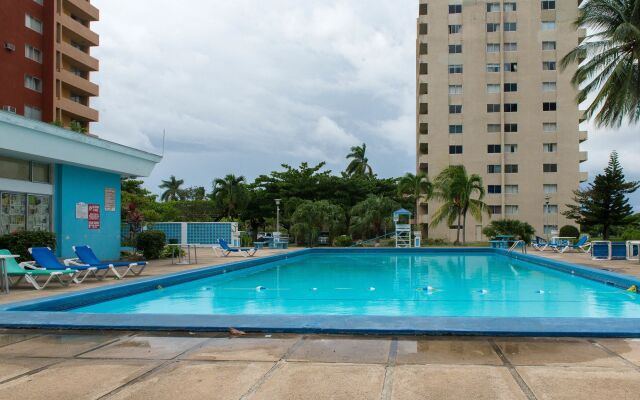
(569,231)
(519,229)
(19,242)
(245,239)
(387,242)
(343,241)
(151,243)
(631,234)
(175,251)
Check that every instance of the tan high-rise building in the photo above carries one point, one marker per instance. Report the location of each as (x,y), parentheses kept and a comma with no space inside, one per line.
(46,62)
(491,97)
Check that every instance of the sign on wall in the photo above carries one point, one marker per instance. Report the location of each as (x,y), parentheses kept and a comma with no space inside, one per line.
(109,199)
(94,216)
(82,211)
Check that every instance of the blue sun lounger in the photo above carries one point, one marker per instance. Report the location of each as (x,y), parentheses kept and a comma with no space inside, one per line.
(45,259)
(86,256)
(226,250)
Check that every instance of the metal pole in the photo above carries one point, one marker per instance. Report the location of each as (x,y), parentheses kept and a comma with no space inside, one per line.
(278,215)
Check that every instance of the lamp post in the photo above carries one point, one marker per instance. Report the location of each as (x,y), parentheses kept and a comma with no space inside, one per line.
(546,212)
(278,215)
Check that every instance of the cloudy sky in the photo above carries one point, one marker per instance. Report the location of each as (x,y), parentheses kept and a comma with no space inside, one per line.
(242,86)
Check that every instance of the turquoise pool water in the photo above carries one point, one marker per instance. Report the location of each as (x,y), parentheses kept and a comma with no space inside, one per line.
(444,284)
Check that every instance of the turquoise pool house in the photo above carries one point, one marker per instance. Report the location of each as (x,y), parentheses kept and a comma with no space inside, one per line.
(58,180)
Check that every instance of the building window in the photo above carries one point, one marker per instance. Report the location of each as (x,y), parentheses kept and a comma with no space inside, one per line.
(493,88)
(510,7)
(548,4)
(493,67)
(548,45)
(495,210)
(510,26)
(550,208)
(33,112)
(455,149)
(549,167)
(511,168)
(22,211)
(548,65)
(455,68)
(512,46)
(493,148)
(75,98)
(33,83)
(511,128)
(493,47)
(494,189)
(550,188)
(548,86)
(510,148)
(511,209)
(550,147)
(510,87)
(510,67)
(549,127)
(32,53)
(549,106)
(511,189)
(548,25)
(455,89)
(493,27)
(33,23)
(493,7)
(511,107)
(493,128)
(550,229)
(41,2)
(455,129)
(455,108)
(494,169)
(493,108)
(455,8)
(11,168)
(455,48)
(455,29)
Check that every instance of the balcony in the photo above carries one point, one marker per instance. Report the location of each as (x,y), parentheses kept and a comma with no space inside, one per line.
(423,26)
(583,136)
(78,111)
(582,34)
(423,124)
(79,56)
(584,156)
(81,85)
(584,176)
(582,116)
(423,85)
(423,161)
(81,33)
(83,9)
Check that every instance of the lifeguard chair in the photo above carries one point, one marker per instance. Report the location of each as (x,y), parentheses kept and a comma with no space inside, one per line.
(402,221)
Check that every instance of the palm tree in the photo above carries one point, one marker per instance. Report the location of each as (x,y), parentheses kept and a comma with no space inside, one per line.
(612,71)
(231,194)
(359,164)
(172,186)
(372,215)
(415,187)
(456,190)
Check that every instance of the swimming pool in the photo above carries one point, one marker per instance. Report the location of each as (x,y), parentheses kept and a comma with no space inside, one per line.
(411,284)
(399,291)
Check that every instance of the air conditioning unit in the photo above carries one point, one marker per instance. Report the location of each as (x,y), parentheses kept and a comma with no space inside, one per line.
(9,46)
(10,109)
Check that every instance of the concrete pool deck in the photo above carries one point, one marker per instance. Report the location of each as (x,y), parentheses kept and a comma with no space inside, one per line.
(54,365)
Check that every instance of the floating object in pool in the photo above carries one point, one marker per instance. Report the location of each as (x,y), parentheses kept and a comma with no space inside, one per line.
(236,332)
(540,292)
(372,289)
(159,287)
(483,291)
(633,289)
(260,288)
(314,289)
(430,288)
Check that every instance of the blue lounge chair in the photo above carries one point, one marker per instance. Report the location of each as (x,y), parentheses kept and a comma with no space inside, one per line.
(45,259)
(226,250)
(86,256)
(582,245)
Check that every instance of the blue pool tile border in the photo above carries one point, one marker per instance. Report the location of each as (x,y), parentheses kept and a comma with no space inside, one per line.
(49,313)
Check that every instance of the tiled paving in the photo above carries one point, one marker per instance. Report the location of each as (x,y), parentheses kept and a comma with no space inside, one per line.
(54,365)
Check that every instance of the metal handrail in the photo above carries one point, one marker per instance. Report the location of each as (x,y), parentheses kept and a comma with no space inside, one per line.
(516,244)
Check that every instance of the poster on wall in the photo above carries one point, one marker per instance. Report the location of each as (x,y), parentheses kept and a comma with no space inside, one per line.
(109,199)
(94,216)
(82,211)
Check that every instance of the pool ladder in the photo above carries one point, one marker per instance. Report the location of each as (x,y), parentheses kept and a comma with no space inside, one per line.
(516,244)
